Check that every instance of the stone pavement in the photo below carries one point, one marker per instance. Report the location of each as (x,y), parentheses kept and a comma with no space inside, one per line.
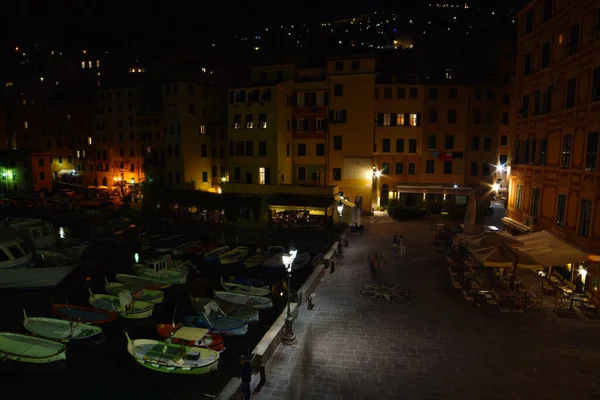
(434,345)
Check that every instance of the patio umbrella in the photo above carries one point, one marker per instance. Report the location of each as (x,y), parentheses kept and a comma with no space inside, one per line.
(486,240)
(471,213)
(501,256)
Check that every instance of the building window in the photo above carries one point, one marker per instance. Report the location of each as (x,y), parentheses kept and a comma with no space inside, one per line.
(412,93)
(387,119)
(571,91)
(385,168)
(596,84)
(356,65)
(399,145)
(414,119)
(431,141)
(574,39)
(262,121)
(412,145)
(591,152)
(399,168)
(565,161)
(401,93)
(204,176)
(487,143)
(503,140)
(447,167)
(452,93)
(387,93)
(337,174)
(527,65)
(337,142)
(506,99)
(385,146)
(262,149)
(474,168)
(449,142)
(302,174)
(535,202)
(411,168)
(237,121)
(429,166)
(89,140)
(249,121)
(519,197)
(560,209)
(585,216)
(433,116)
(545,55)
(42,176)
(237,174)
(301,149)
(202,130)
(320,149)
(477,117)
(451,116)
(525,106)
(261,175)
(536,102)
(191,108)
(338,89)
(399,119)
(529,22)
(504,118)
(433,93)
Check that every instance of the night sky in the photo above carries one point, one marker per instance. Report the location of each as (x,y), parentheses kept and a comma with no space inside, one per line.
(152,23)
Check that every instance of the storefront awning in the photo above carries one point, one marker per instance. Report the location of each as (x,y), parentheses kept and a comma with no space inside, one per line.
(549,250)
(513,223)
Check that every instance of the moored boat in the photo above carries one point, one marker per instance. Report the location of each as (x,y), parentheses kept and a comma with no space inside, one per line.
(138,292)
(256,260)
(249,300)
(180,334)
(230,310)
(59,329)
(31,349)
(233,256)
(213,256)
(244,289)
(124,306)
(220,325)
(144,282)
(161,269)
(172,358)
(89,315)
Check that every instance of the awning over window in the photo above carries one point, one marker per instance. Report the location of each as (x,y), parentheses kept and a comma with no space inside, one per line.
(513,223)
(300,201)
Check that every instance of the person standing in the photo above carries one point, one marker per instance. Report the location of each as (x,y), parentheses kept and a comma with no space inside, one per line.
(395,244)
(246,376)
(402,243)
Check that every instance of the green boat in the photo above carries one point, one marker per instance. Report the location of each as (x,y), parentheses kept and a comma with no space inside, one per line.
(60,329)
(138,292)
(126,308)
(230,310)
(162,269)
(170,358)
(146,283)
(30,349)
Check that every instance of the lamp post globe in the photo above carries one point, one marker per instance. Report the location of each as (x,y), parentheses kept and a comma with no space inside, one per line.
(289,337)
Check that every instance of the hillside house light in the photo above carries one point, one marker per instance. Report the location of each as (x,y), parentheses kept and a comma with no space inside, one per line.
(289,337)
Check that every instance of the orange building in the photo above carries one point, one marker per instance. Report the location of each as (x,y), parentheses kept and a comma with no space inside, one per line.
(554,182)
(24,171)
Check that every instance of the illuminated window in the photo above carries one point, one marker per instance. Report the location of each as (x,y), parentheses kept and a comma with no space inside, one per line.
(131,70)
(78,154)
(83,65)
(24,102)
(400,119)
(26,125)
(89,140)
(261,175)
(413,119)
(89,64)
(41,79)
(203,129)
(9,84)
(204,70)
(387,118)
(97,63)
(560,38)
(98,73)
(83,153)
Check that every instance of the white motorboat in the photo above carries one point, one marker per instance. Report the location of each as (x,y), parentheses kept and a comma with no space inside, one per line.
(19,268)
(42,235)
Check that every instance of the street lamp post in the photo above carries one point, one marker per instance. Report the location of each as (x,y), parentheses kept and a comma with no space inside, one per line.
(289,337)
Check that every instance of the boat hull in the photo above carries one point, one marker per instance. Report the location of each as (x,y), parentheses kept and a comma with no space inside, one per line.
(139,309)
(147,295)
(220,325)
(147,283)
(215,342)
(84,314)
(12,344)
(244,289)
(175,276)
(207,369)
(234,256)
(257,302)
(232,310)
(61,330)
(28,278)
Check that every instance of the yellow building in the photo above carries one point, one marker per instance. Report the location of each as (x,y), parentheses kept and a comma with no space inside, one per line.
(259,127)
(190,110)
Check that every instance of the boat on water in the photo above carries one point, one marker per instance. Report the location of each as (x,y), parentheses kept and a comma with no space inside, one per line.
(180,334)
(216,323)
(43,235)
(171,358)
(244,289)
(31,349)
(258,302)
(233,256)
(146,283)
(21,269)
(250,281)
(138,292)
(256,260)
(123,305)
(60,329)
(163,242)
(88,315)
(191,247)
(225,308)
(161,269)
(213,256)
(274,257)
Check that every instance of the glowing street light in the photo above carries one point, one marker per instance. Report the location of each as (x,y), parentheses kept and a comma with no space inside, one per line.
(500,168)
(495,187)
(288,260)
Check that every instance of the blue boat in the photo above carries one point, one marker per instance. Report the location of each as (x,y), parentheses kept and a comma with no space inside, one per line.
(220,325)
(213,256)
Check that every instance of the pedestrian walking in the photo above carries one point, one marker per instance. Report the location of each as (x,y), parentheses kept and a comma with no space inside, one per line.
(246,375)
(395,245)
(402,243)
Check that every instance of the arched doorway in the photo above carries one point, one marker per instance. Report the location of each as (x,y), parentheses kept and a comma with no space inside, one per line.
(385,194)
(104,181)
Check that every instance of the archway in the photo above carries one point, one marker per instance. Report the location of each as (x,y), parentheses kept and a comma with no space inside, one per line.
(385,194)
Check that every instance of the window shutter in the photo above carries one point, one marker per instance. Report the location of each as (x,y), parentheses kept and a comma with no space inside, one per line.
(294,125)
(394,120)
(294,99)
(419,119)
(326,98)
(331,116)
(380,119)
(325,125)
(406,119)
(344,116)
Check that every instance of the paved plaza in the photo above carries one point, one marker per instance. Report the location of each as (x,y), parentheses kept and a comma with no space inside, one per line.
(430,344)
